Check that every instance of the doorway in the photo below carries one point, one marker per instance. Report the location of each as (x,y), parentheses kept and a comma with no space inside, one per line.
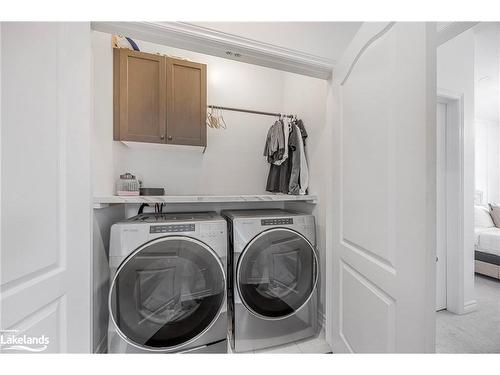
(450,192)
(468,317)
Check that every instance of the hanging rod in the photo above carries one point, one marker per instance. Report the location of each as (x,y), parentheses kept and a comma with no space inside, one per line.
(249,111)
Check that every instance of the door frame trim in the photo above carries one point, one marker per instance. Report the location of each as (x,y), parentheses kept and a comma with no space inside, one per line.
(451,30)
(441,175)
(454,223)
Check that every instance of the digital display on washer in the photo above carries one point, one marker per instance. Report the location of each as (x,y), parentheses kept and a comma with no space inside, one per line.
(172,228)
(280,221)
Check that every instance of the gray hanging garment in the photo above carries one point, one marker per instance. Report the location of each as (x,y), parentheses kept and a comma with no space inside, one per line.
(294,156)
(275,143)
(278,179)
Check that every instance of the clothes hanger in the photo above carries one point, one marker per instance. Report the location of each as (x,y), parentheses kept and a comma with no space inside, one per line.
(221,122)
(218,117)
(210,119)
(215,118)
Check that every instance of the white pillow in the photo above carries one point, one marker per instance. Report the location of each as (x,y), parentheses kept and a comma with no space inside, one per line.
(482,217)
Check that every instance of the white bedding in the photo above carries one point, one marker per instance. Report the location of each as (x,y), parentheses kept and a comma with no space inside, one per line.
(487,240)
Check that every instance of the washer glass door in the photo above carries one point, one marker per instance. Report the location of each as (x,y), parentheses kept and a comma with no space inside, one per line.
(167,293)
(277,273)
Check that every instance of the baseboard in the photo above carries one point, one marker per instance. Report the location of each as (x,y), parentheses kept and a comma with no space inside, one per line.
(102,347)
(470,306)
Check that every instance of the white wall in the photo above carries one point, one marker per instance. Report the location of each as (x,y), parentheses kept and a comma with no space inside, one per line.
(487,160)
(487,71)
(487,110)
(455,74)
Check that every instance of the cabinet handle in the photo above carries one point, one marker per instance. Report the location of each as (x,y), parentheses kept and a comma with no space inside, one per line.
(170,138)
(162,137)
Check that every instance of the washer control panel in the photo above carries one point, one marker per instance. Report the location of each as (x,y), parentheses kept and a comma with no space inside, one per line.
(172,228)
(280,221)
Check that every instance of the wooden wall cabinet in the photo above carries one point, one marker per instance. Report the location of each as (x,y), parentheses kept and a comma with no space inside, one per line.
(158,99)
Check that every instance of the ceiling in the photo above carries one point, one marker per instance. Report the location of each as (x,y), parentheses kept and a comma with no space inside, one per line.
(323,39)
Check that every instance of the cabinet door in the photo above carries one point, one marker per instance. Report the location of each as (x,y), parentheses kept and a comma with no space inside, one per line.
(187,103)
(139,96)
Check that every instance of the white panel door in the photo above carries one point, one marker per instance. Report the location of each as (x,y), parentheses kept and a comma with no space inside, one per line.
(384,191)
(45,187)
(441,207)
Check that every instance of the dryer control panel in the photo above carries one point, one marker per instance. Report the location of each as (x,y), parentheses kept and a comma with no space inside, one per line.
(279,221)
(172,228)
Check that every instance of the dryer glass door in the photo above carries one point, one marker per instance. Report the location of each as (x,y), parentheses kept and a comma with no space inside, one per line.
(167,293)
(277,273)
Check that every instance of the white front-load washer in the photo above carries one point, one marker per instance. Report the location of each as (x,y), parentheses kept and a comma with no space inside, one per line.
(168,284)
(273,276)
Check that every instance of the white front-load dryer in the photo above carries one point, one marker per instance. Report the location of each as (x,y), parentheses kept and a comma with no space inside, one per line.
(168,284)
(273,276)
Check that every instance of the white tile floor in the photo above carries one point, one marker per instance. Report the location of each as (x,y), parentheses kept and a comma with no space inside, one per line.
(316,345)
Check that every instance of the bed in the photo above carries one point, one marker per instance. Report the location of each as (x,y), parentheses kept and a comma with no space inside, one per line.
(487,244)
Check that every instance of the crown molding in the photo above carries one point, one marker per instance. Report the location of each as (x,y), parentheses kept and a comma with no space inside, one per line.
(203,40)
(449,30)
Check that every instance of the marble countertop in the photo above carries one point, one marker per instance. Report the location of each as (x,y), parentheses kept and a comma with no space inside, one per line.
(114,199)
